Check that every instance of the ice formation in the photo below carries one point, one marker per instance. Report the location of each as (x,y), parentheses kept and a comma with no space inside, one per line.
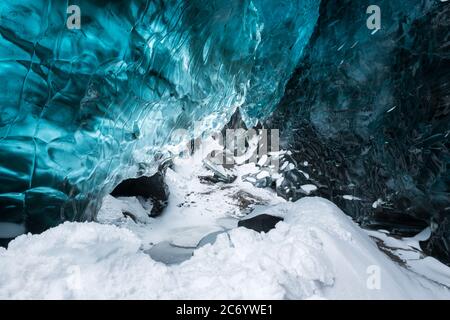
(366,110)
(77,103)
(370,114)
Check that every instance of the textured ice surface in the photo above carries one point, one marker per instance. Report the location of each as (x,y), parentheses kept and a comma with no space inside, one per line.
(371,114)
(76,104)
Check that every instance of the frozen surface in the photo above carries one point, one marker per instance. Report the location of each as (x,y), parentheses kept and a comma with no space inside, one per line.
(318,252)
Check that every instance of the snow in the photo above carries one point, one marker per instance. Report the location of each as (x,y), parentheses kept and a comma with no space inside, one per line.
(263,160)
(377,203)
(190,237)
(263,174)
(351,198)
(309,188)
(409,252)
(195,209)
(317,252)
(113,208)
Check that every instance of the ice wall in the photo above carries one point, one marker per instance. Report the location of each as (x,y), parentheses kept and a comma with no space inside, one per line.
(82,109)
(371,114)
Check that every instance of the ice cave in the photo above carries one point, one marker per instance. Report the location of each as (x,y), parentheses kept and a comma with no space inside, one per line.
(205,139)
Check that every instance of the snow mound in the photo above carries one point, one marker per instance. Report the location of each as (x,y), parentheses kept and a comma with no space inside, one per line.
(316,252)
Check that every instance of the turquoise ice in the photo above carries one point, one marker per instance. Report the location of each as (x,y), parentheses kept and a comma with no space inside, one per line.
(82,109)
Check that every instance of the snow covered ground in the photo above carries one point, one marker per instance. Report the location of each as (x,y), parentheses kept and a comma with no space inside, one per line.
(317,252)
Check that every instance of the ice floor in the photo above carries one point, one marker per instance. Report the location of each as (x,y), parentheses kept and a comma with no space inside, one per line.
(317,252)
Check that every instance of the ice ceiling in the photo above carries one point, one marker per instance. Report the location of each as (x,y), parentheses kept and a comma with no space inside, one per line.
(81,109)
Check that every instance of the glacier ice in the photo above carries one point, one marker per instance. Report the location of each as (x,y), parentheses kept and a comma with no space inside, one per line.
(371,114)
(82,109)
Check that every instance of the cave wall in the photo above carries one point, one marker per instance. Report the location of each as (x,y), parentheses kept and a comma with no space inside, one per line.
(371,114)
(86,106)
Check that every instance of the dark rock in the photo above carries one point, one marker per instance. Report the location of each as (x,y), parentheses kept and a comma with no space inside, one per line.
(4,242)
(153,188)
(247,201)
(258,182)
(439,244)
(216,178)
(220,174)
(235,122)
(260,223)
(131,216)
(290,187)
(285,160)
(371,114)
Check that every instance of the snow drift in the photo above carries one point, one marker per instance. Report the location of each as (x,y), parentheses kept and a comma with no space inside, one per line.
(316,252)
